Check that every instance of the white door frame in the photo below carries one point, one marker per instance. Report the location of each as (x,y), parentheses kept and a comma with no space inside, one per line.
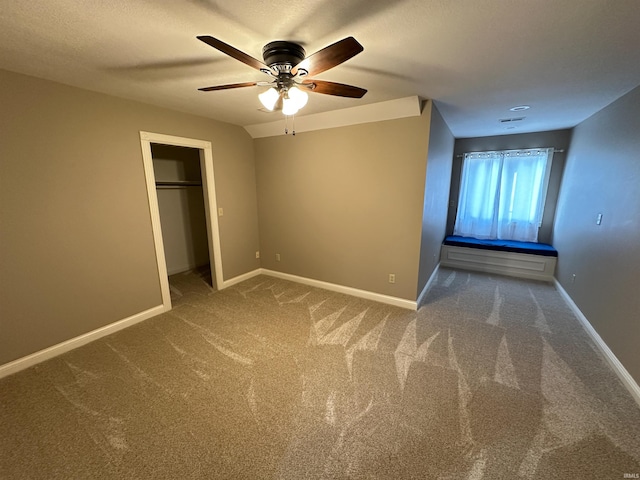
(210,206)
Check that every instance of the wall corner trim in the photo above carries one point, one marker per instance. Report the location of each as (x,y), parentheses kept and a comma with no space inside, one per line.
(371,112)
(63,347)
(612,360)
(427,286)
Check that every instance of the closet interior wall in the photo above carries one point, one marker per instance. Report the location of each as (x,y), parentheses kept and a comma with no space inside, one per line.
(181,204)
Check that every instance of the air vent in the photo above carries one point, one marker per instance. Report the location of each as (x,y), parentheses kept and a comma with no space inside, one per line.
(510,120)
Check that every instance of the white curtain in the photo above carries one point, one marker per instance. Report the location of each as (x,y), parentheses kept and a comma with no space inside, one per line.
(502,194)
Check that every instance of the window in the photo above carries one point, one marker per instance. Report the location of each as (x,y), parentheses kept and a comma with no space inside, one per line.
(502,194)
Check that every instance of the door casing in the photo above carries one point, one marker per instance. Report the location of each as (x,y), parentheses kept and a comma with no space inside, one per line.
(210,205)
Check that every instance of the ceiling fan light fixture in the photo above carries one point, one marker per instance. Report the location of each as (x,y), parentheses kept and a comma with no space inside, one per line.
(289,106)
(269,98)
(298,96)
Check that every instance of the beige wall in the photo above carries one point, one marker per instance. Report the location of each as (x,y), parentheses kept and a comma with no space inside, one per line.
(76,246)
(436,196)
(602,175)
(184,228)
(344,205)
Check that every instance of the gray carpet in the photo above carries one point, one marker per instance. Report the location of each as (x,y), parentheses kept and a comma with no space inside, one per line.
(493,378)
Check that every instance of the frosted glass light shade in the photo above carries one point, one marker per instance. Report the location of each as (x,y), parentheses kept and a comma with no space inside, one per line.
(269,98)
(289,106)
(299,97)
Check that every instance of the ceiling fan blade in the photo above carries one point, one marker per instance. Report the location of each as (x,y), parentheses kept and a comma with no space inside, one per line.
(333,88)
(227,87)
(233,52)
(330,56)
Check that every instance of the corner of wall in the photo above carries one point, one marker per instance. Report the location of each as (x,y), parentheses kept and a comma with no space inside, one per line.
(439,155)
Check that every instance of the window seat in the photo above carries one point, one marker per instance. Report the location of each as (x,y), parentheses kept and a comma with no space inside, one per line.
(505,257)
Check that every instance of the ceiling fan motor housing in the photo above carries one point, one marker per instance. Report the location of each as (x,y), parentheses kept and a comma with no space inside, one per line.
(282,56)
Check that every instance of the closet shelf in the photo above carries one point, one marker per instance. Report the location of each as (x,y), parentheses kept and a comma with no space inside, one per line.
(180,183)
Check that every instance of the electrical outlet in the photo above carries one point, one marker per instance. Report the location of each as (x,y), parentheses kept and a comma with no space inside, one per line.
(220,212)
(257,254)
(277,257)
(392,278)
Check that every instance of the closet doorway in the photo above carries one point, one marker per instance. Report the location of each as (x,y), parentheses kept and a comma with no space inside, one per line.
(182,203)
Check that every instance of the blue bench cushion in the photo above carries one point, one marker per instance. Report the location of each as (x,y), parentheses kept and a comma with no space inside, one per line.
(502,245)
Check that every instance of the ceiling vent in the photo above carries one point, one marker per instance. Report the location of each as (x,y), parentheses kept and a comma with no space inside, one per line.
(511,120)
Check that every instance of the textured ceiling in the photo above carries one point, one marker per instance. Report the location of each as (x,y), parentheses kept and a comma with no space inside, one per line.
(474,58)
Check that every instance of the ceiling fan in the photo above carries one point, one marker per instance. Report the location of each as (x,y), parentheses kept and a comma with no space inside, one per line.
(290,70)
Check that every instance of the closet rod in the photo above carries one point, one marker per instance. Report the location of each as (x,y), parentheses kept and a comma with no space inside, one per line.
(179,183)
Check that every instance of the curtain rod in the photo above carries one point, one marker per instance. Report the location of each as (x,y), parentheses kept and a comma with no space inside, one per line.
(556,150)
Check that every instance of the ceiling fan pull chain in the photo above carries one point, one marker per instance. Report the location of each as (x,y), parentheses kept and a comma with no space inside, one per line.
(293,124)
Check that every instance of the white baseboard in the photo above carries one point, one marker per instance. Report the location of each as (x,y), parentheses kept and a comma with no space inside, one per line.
(60,348)
(623,374)
(241,278)
(376,297)
(426,288)
(55,350)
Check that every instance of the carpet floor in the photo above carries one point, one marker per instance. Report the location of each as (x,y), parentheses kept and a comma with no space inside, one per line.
(493,378)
